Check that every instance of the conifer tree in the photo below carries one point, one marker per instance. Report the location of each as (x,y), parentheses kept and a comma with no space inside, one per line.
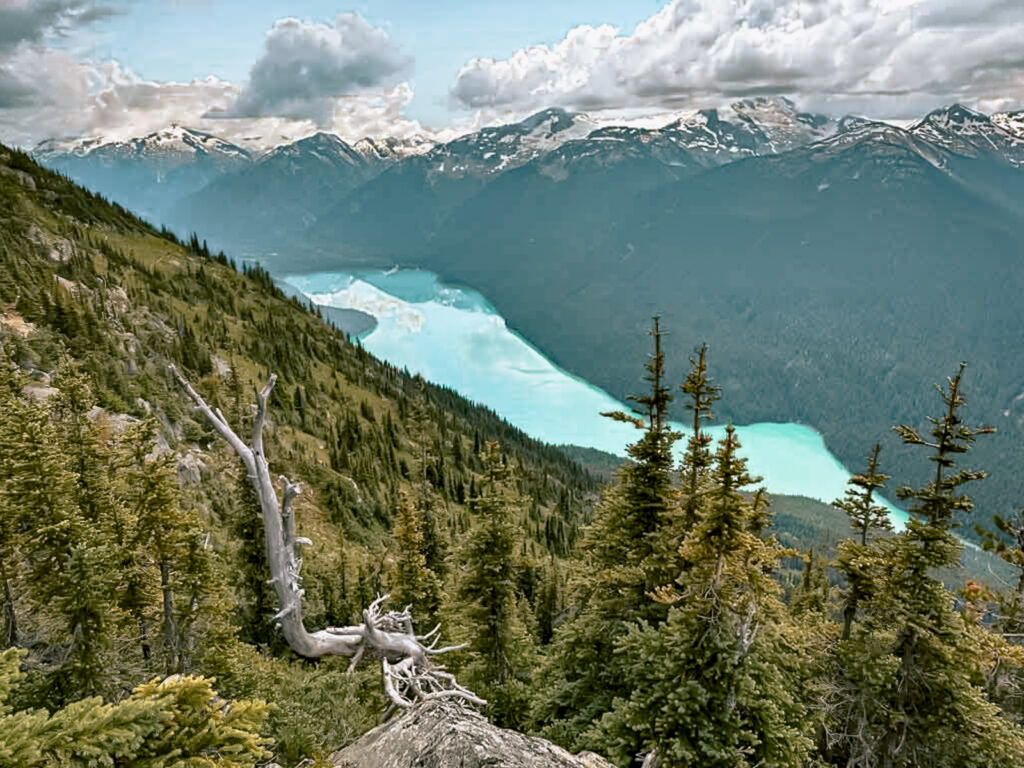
(179,721)
(8,521)
(866,518)
(490,606)
(912,665)
(1005,682)
(697,460)
(412,582)
(625,554)
(68,556)
(255,602)
(715,685)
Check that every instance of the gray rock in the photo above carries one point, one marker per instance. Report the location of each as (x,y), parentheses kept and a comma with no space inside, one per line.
(448,734)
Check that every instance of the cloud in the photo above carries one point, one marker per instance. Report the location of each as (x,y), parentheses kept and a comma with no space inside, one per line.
(50,93)
(28,21)
(307,67)
(47,93)
(892,57)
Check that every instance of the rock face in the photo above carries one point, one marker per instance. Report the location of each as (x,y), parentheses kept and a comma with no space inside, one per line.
(447,734)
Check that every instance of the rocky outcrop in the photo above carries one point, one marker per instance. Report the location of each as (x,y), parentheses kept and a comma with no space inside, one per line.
(445,734)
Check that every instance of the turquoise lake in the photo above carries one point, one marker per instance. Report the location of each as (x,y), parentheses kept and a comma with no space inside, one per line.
(454,337)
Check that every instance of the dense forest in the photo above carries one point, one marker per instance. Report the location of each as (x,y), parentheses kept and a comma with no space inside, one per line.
(669,612)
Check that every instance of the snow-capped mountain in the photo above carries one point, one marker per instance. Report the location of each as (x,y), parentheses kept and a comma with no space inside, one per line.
(971,134)
(327,149)
(496,149)
(146,174)
(758,126)
(322,189)
(389,149)
(702,139)
(166,149)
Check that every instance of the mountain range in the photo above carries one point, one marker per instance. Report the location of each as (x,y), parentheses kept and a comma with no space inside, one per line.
(836,266)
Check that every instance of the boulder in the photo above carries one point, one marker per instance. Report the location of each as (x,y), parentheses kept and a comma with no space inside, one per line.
(448,734)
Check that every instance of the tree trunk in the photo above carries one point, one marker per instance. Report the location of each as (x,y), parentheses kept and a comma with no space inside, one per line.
(409,673)
(10,616)
(169,627)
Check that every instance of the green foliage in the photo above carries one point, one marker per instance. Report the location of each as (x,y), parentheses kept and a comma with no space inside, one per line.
(174,723)
(490,604)
(866,518)
(910,672)
(716,684)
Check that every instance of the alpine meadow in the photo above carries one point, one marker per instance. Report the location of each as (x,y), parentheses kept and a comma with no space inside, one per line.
(576,385)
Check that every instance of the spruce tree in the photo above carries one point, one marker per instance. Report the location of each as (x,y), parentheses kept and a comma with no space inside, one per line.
(867,518)
(911,670)
(716,685)
(491,609)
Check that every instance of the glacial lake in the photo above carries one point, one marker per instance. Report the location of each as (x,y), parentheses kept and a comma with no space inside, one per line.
(454,337)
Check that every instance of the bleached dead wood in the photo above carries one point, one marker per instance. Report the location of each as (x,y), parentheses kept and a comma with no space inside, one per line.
(410,673)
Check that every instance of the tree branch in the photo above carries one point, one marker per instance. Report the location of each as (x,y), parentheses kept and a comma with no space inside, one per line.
(409,673)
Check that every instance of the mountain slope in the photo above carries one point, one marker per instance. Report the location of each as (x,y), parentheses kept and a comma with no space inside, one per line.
(82,275)
(288,188)
(834,283)
(149,173)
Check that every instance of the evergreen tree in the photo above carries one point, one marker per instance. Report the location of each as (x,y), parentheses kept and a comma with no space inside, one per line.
(68,557)
(697,460)
(179,721)
(491,609)
(412,582)
(912,667)
(625,555)
(866,518)
(715,685)
(256,599)
(1004,682)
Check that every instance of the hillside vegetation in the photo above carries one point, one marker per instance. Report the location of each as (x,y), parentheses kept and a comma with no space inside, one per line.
(673,611)
(95,305)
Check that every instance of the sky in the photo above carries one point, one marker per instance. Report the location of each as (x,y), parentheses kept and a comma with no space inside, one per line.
(260,71)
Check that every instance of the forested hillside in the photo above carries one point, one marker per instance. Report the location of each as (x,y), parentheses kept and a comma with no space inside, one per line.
(673,614)
(149,525)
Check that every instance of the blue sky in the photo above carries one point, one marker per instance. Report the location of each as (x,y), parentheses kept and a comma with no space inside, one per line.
(261,72)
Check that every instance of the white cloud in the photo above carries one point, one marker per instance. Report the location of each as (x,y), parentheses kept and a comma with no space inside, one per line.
(893,57)
(307,67)
(58,95)
(310,77)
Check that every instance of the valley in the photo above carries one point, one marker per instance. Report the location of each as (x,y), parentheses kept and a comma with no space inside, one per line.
(454,338)
(801,247)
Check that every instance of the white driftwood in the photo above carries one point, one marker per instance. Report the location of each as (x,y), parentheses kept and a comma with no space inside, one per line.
(410,674)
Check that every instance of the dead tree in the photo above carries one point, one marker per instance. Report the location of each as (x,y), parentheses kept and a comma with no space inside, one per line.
(410,673)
